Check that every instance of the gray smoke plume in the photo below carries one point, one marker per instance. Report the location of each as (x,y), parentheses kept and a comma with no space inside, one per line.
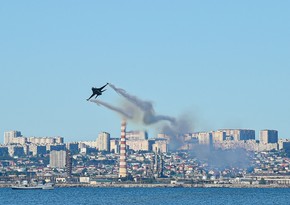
(116,109)
(147,107)
(141,111)
(221,159)
(176,131)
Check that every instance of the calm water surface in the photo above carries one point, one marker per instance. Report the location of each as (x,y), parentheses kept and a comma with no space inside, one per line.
(162,196)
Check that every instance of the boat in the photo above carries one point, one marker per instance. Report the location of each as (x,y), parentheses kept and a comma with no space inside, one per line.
(32,187)
(26,186)
(48,186)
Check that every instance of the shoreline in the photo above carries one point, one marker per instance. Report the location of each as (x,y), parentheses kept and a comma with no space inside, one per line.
(161,186)
(171,186)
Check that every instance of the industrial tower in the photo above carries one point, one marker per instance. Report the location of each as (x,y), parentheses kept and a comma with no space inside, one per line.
(123,163)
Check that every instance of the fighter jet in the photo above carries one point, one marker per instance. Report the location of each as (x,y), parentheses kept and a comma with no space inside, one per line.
(97,91)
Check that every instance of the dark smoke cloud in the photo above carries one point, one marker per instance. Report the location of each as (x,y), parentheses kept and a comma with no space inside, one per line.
(147,107)
(113,108)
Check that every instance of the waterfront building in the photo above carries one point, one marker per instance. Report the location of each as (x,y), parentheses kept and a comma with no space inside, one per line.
(268,136)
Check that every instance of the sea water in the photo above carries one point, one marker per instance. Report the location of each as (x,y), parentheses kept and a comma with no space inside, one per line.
(162,196)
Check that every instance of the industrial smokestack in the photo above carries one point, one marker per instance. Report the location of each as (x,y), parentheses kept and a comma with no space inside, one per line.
(123,163)
(68,164)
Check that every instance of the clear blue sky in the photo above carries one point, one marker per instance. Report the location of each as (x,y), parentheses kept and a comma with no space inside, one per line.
(226,63)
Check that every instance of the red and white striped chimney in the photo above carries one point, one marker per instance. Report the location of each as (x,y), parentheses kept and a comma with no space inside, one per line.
(123,163)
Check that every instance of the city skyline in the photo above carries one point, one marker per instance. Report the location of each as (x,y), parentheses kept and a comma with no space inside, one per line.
(264,136)
(222,65)
(220,140)
(227,156)
(144,134)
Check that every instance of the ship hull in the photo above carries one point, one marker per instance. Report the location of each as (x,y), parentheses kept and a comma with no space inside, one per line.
(26,188)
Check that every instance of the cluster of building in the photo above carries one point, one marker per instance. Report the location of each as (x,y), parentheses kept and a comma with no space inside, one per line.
(237,138)
(139,157)
(135,140)
(17,145)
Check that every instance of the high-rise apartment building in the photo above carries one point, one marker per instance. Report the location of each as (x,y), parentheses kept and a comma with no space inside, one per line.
(73,147)
(136,135)
(137,140)
(115,145)
(218,136)
(160,145)
(138,145)
(45,140)
(205,138)
(56,147)
(268,136)
(37,149)
(15,150)
(239,134)
(10,135)
(57,159)
(103,142)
